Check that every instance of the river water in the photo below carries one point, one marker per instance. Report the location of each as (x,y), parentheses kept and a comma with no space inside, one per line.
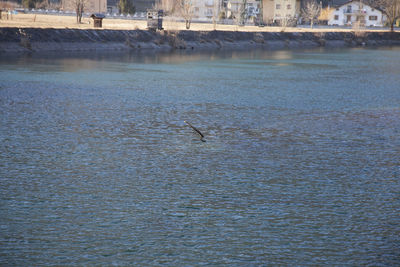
(301,164)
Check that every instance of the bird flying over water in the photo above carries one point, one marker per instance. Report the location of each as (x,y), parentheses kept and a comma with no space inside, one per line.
(196,130)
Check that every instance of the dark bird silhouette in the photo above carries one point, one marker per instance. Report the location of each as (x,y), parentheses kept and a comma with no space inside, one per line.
(196,130)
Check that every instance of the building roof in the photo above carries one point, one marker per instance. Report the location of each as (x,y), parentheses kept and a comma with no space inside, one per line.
(97,16)
(337,3)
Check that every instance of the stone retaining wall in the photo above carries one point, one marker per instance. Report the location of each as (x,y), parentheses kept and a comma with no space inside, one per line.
(57,40)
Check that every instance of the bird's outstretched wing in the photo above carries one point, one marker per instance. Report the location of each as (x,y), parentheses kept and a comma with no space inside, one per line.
(196,130)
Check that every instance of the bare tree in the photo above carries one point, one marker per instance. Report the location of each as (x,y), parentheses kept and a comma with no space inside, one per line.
(79,8)
(391,8)
(238,15)
(311,11)
(186,8)
(260,16)
(215,14)
(5,6)
(42,4)
(286,19)
(243,12)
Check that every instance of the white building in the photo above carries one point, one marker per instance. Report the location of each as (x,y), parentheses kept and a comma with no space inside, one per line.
(355,11)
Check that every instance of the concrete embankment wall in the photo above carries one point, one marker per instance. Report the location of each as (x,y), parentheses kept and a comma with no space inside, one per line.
(64,40)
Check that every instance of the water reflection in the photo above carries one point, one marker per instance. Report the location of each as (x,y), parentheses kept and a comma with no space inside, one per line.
(76,61)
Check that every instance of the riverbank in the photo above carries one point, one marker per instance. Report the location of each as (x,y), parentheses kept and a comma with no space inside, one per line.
(28,40)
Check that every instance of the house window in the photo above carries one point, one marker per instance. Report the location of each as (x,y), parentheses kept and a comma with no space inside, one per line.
(373,17)
(336,17)
(278,6)
(289,7)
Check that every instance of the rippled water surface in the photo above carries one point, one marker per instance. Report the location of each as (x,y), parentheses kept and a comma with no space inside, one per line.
(301,164)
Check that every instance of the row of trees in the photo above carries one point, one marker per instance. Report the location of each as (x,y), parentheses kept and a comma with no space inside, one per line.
(183,8)
(42,4)
(7,5)
(310,12)
(35,3)
(186,8)
(125,7)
